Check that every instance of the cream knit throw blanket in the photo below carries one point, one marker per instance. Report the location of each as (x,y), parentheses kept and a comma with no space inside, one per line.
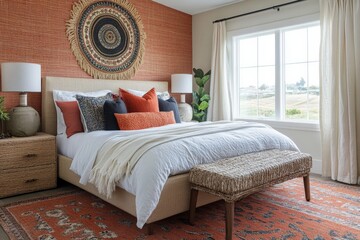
(119,155)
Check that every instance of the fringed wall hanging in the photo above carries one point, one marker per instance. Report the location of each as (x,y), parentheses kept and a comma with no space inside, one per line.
(107,38)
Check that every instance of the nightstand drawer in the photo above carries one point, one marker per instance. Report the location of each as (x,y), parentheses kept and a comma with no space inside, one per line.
(23,180)
(28,154)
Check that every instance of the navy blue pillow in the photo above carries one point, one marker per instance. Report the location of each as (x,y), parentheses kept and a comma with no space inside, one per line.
(111,107)
(170,105)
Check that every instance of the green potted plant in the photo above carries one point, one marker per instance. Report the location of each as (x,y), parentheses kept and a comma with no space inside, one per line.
(4,116)
(200,97)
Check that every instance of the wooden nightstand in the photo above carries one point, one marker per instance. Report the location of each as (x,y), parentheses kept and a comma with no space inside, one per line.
(27,164)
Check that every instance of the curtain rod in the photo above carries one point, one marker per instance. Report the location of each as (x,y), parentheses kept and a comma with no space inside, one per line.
(276,7)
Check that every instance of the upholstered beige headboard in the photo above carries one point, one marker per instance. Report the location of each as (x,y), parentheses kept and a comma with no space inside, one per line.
(48,116)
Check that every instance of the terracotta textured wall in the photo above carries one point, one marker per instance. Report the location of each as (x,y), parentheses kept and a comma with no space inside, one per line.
(34,31)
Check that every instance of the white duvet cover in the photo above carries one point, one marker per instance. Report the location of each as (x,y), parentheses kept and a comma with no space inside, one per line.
(152,169)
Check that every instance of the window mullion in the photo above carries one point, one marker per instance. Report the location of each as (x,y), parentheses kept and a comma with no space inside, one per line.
(236,73)
(278,92)
(307,75)
(257,75)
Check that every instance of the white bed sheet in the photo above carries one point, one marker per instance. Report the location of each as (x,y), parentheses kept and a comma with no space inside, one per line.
(68,146)
(153,168)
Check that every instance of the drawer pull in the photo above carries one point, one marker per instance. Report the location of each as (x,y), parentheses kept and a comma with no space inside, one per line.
(31,180)
(31,155)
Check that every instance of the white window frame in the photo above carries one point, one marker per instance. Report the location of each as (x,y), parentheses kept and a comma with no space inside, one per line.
(279,103)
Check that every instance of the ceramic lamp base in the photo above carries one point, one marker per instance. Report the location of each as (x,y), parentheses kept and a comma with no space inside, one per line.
(24,122)
(185,111)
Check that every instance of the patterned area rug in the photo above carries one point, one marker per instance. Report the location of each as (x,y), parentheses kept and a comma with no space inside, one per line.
(280,212)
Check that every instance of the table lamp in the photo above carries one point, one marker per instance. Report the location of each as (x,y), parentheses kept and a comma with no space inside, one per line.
(22,77)
(182,83)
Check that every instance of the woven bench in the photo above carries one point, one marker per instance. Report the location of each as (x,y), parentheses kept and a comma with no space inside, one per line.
(235,178)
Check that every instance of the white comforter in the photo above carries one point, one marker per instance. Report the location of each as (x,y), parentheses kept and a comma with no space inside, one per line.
(152,169)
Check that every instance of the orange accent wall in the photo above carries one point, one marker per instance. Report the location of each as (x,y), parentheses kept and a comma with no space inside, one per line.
(34,31)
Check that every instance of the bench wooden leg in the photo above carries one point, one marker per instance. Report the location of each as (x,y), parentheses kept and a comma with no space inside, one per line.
(193,200)
(307,187)
(229,215)
(149,229)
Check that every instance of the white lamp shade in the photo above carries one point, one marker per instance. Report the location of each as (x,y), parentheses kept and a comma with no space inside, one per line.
(181,83)
(20,77)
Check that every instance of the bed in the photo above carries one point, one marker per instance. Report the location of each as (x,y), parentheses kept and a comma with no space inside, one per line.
(175,194)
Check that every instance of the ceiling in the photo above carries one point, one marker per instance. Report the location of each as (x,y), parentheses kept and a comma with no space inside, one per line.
(195,6)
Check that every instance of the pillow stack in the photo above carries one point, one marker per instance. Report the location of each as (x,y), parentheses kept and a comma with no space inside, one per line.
(148,110)
(101,110)
(68,110)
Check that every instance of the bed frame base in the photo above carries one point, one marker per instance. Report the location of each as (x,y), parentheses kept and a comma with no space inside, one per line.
(174,198)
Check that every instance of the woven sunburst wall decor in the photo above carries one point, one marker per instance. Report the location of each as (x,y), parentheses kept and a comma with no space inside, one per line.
(107,38)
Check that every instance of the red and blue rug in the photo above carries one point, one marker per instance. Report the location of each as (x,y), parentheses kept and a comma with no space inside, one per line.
(280,212)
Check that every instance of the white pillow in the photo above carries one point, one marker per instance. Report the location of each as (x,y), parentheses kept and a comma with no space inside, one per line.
(162,95)
(70,96)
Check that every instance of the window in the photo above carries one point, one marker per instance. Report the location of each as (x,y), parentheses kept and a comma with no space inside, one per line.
(277,74)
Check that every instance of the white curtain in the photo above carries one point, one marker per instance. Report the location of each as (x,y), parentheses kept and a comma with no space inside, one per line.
(220,99)
(340,89)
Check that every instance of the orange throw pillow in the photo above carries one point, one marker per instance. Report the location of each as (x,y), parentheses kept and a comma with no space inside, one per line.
(72,119)
(142,120)
(147,103)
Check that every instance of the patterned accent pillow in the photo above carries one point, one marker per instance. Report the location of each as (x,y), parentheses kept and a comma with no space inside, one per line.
(93,112)
(142,120)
